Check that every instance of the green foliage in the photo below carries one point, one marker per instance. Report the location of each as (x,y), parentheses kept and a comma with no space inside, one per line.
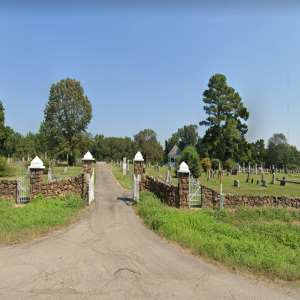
(230,164)
(206,163)
(281,154)
(4,169)
(261,240)
(146,141)
(113,148)
(190,156)
(67,116)
(183,137)
(36,218)
(216,164)
(226,116)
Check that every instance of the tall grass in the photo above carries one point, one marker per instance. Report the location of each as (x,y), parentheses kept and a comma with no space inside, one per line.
(35,218)
(264,240)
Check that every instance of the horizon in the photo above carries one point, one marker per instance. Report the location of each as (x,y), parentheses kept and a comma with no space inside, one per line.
(152,75)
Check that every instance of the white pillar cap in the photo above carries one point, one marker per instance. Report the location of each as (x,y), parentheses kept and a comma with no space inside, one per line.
(37,163)
(138,157)
(184,168)
(88,157)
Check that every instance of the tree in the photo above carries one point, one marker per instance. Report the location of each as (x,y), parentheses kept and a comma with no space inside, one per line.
(66,117)
(280,153)
(205,164)
(190,156)
(226,116)
(183,137)
(146,142)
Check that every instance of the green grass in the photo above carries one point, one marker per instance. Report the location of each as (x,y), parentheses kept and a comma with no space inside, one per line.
(125,181)
(262,240)
(21,223)
(291,189)
(70,171)
(19,169)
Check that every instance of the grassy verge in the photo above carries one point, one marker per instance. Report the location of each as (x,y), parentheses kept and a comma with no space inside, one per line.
(125,181)
(263,240)
(21,223)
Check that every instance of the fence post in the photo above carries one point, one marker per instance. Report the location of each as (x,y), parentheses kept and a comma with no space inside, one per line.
(36,176)
(183,185)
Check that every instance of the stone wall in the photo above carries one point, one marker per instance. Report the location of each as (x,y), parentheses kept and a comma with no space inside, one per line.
(8,189)
(211,199)
(71,185)
(168,193)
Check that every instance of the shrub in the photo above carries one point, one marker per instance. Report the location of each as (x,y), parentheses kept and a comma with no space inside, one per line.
(216,163)
(205,163)
(230,164)
(4,169)
(190,156)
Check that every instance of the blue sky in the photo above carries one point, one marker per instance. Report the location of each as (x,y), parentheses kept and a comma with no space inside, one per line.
(148,68)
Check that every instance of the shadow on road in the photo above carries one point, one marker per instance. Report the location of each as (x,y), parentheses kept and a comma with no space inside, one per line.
(128,201)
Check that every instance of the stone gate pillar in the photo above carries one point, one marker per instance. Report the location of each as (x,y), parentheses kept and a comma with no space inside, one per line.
(139,168)
(88,163)
(36,169)
(183,185)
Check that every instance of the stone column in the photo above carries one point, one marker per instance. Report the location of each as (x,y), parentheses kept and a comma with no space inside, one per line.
(138,168)
(183,185)
(88,163)
(36,176)
(87,170)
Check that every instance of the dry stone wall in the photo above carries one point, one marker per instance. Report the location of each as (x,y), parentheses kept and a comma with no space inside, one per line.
(211,199)
(168,193)
(72,185)
(8,189)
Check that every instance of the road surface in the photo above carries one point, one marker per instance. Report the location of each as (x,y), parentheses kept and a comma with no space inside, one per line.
(109,254)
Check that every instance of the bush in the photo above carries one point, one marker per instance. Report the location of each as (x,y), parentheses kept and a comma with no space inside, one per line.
(4,169)
(190,156)
(216,163)
(230,164)
(205,163)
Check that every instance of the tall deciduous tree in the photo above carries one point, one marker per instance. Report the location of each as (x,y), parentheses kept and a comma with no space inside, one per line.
(226,116)
(66,117)
(146,141)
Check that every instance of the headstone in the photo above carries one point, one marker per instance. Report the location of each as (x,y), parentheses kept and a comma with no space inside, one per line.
(283,181)
(236,183)
(273,178)
(252,180)
(264,183)
(248,177)
(124,167)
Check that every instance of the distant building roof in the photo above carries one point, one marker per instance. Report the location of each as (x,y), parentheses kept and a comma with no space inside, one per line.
(175,152)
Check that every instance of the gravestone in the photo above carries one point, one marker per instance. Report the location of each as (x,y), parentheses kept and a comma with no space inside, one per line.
(273,178)
(283,181)
(252,180)
(236,183)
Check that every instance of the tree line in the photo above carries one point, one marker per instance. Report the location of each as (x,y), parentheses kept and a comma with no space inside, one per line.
(63,133)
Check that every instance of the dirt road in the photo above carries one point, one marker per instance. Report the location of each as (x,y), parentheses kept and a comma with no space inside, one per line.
(111,255)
